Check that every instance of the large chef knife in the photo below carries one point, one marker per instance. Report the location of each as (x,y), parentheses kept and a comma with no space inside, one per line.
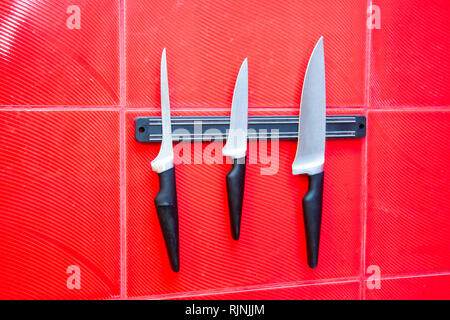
(166,199)
(236,148)
(310,155)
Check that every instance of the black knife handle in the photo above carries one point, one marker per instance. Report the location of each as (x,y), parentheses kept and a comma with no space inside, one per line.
(166,206)
(235,189)
(312,215)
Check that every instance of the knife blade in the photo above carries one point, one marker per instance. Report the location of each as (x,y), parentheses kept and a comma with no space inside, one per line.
(310,156)
(236,148)
(166,199)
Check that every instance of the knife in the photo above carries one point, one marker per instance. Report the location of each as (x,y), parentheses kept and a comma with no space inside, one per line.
(166,199)
(236,148)
(310,156)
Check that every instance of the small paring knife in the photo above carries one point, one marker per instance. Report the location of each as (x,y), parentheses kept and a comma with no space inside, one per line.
(236,148)
(310,156)
(166,199)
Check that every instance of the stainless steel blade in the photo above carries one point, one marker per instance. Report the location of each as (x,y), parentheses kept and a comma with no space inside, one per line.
(164,160)
(236,145)
(310,155)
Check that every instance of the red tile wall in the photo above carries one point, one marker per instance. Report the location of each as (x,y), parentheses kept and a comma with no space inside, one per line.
(207,41)
(46,63)
(271,246)
(77,189)
(59,203)
(409,55)
(348,290)
(408,191)
(429,287)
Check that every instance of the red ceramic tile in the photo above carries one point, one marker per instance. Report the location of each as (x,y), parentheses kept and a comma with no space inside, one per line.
(410,60)
(43,62)
(329,291)
(414,288)
(408,214)
(207,41)
(271,248)
(59,204)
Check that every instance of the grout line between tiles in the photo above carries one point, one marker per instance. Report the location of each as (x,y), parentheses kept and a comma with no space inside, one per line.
(61,108)
(410,109)
(364,177)
(122,53)
(208,109)
(251,288)
(280,286)
(123,238)
(368,60)
(364,193)
(227,110)
(259,107)
(416,275)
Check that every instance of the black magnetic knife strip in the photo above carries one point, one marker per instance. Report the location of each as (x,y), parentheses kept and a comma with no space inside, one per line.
(148,129)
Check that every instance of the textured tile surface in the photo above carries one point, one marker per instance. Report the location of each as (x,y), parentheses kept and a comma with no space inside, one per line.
(413,288)
(408,191)
(329,291)
(410,54)
(44,62)
(271,248)
(75,185)
(59,204)
(207,41)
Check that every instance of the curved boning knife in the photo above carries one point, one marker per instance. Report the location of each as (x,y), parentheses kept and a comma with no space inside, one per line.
(166,199)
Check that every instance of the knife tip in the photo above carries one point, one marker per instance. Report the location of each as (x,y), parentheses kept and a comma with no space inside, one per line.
(244,67)
(320,41)
(244,64)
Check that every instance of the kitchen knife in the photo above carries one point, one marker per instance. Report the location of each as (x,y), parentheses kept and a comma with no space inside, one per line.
(236,148)
(166,199)
(310,155)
